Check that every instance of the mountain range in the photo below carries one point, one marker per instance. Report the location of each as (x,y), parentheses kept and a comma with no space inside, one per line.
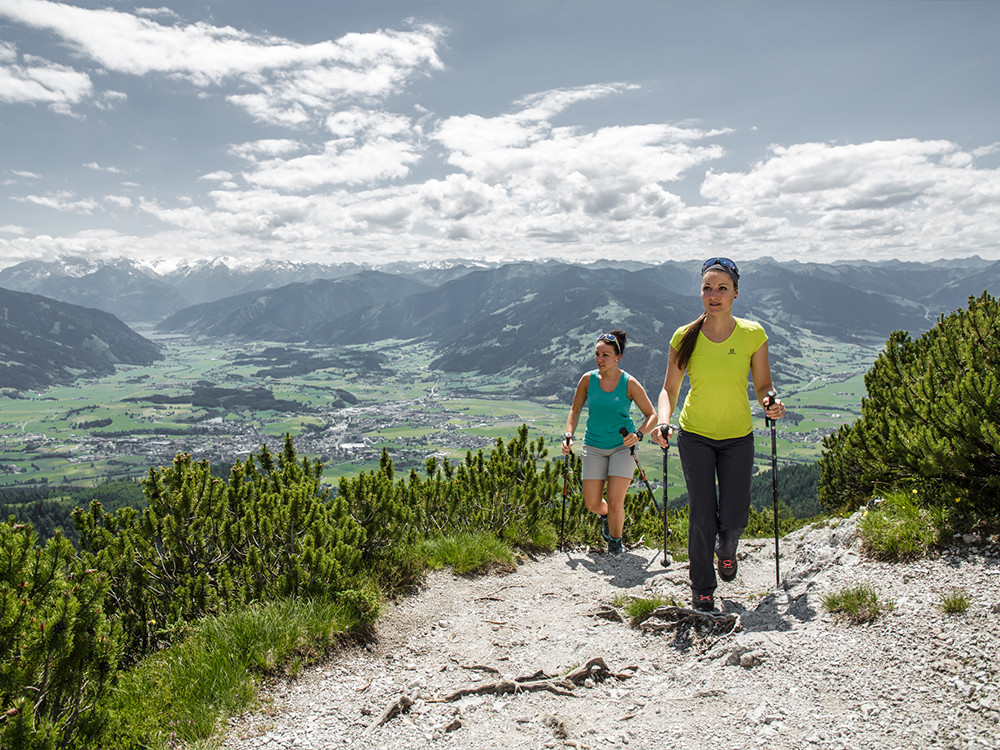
(139,294)
(532,322)
(535,322)
(44,341)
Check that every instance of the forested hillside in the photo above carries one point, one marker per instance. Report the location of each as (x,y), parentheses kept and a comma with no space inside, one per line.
(50,508)
(43,341)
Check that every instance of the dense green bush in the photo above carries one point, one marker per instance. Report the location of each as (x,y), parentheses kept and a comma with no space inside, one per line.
(504,492)
(514,492)
(931,419)
(508,492)
(58,650)
(204,546)
(384,510)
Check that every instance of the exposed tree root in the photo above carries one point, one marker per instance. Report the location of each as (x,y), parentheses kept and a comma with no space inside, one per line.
(685,623)
(596,670)
(398,706)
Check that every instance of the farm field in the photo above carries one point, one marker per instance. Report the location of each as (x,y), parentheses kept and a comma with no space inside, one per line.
(219,401)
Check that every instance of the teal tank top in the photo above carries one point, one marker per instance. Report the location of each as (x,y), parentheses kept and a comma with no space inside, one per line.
(607,413)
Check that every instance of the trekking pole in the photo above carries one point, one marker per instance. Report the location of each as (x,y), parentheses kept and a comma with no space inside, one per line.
(562,523)
(666,528)
(623,432)
(768,400)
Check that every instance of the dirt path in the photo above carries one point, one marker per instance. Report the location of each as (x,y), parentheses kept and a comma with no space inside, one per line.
(789,676)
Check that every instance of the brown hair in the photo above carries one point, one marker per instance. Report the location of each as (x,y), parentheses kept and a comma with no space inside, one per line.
(620,338)
(690,338)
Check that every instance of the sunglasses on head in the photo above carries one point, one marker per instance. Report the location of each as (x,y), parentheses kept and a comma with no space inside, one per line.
(724,262)
(611,339)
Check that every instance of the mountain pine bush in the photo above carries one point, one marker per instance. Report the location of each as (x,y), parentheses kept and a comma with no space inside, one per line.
(59,652)
(204,546)
(931,419)
(508,492)
(383,509)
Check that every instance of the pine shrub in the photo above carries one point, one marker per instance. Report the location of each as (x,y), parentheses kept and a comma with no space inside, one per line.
(931,419)
(509,492)
(204,546)
(384,510)
(58,650)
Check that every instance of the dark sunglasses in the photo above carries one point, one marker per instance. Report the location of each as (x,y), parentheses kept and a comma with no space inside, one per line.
(611,339)
(724,262)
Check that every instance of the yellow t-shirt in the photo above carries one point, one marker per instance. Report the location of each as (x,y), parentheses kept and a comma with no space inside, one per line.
(717,405)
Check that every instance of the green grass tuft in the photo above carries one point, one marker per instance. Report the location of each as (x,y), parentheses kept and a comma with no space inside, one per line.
(859,604)
(184,693)
(640,608)
(955,602)
(901,529)
(466,553)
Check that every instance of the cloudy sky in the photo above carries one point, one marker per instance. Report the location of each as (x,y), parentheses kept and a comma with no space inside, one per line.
(380,130)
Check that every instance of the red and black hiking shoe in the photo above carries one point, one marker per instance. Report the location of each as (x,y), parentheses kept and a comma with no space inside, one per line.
(727,569)
(703,602)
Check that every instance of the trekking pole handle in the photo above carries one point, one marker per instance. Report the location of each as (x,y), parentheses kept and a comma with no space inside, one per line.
(567,443)
(768,400)
(623,431)
(667,430)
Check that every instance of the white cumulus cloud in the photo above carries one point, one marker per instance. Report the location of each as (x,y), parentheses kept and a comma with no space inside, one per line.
(31,79)
(277,80)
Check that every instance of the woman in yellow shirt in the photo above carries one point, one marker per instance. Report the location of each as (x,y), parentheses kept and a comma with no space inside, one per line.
(717,352)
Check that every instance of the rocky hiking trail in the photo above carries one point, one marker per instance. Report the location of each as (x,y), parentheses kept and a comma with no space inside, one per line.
(544,657)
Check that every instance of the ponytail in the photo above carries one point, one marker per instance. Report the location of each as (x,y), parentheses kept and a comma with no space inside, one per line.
(690,338)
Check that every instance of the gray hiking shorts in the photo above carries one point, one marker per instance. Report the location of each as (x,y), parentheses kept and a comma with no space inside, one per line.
(601,463)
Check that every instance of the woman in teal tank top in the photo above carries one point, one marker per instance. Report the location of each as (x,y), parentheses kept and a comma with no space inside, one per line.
(609,393)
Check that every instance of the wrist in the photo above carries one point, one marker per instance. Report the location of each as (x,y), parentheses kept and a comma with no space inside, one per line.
(639,434)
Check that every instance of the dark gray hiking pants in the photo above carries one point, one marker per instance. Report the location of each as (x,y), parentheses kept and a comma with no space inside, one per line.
(717,519)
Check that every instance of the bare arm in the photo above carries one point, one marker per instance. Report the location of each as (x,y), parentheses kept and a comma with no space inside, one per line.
(638,395)
(579,399)
(669,393)
(760,371)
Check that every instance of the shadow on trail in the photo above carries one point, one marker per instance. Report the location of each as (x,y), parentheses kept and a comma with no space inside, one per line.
(778,611)
(622,571)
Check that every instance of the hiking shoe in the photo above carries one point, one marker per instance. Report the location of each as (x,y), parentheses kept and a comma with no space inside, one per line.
(614,546)
(605,531)
(727,569)
(703,602)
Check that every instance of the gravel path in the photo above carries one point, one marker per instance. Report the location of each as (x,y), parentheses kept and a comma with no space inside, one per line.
(789,676)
